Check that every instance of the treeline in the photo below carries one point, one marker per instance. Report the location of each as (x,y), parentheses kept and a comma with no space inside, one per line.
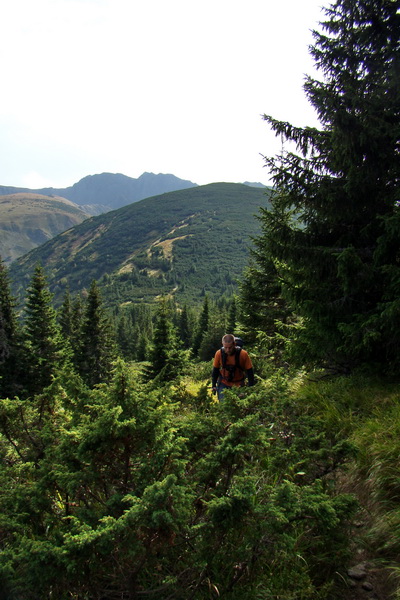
(84,337)
(44,342)
(198,329)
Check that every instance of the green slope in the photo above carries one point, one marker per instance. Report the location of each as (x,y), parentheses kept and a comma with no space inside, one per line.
(187,243)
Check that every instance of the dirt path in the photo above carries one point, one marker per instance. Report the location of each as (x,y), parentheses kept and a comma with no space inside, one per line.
(369,576)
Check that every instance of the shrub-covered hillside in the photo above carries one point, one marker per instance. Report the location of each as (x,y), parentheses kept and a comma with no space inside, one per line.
(184,243)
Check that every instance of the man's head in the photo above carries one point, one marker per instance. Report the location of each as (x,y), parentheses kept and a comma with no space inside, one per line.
(228,343)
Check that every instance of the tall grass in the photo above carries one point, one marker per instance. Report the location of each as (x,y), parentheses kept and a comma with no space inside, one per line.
(367,412)
(378,441)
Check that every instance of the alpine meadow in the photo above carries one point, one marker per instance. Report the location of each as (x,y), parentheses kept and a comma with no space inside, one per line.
(122,476)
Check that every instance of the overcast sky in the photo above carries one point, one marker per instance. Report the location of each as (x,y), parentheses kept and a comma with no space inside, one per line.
(164,86)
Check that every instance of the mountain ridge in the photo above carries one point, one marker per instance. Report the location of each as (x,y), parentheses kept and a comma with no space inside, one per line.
(94,194)
(99,193)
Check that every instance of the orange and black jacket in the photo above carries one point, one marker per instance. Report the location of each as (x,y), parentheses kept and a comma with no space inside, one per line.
(230,369)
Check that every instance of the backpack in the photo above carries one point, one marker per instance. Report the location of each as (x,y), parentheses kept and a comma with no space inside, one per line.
(232,368)
(239,342)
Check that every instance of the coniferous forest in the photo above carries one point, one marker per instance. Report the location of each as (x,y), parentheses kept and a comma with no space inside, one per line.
(122,476)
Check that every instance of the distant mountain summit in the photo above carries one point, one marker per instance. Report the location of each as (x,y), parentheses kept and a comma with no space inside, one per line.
(256,184)
(97,194)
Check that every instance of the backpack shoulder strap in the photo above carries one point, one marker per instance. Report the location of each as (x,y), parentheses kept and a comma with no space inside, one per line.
(223,358)
(237,357)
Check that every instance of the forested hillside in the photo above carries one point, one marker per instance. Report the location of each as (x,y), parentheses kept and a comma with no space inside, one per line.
(185,243)
(122,476)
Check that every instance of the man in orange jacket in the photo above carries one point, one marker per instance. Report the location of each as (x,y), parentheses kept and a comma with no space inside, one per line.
(231,364)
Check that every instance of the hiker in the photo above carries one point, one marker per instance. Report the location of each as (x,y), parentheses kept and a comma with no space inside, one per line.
(231,363)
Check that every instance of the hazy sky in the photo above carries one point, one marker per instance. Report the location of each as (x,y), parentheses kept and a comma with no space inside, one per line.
(165,86)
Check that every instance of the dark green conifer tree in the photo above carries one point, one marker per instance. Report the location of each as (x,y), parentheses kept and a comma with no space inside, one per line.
(65,316)
(125,337)
(70,317)
(98,346)
(266,317)
(142,345)
(9,338)
(44,344)
(211,340)
(77,319)
(231,317)
(202,326)
(167,361)
(332,234)
(184,328)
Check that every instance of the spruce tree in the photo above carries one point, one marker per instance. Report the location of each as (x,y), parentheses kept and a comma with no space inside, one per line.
(125,339)
(184,327)
(65,316)
(71,323)
(98,346)
(9,338)
(265,315)
(211,340)
(77,319)
(45,347)
(202,326)
(167,361)
(332,234)
(142,347)
(231,317)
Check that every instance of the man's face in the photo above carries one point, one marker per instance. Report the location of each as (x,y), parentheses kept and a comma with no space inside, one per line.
(229,347)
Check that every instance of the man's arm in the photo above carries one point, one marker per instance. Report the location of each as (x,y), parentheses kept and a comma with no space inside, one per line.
(250,376)
(247,366)
(214,377)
